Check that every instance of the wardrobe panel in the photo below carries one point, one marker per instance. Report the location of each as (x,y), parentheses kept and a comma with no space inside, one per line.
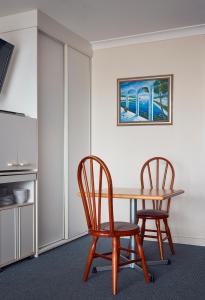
(78,134)
(51,140)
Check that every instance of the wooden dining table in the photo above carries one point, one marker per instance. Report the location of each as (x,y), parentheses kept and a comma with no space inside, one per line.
(133,195)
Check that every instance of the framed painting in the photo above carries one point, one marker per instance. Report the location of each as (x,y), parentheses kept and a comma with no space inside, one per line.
(145,100)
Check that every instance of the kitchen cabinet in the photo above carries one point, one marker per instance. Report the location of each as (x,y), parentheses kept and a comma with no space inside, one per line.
(8,236)
(17,221)
(26,230)
(49,79)
(18,136)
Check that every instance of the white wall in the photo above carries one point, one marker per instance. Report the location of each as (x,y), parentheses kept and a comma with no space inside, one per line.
(19,92)
(125,148)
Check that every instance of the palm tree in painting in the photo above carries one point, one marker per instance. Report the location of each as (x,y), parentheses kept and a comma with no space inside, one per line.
(161,89)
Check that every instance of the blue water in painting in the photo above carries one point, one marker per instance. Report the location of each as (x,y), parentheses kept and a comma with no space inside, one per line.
(143,109)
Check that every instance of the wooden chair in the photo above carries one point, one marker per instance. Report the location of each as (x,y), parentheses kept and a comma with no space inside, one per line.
(159,173)
(92,174)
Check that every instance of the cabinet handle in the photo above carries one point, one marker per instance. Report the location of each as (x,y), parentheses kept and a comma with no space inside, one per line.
(12,164)
(24,164)
(15,164)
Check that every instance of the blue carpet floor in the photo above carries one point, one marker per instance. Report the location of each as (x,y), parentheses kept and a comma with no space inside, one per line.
(57,275)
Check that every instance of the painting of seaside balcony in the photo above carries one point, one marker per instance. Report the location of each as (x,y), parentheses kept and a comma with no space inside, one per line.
(145,100)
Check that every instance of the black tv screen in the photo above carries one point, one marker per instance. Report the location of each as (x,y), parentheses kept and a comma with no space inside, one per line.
(6,50)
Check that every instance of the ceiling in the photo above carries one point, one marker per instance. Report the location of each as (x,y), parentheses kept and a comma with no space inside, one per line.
(106,19)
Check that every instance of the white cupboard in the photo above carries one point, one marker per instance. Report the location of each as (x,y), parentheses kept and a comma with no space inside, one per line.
(56,64)
(8,138)
(8,236)
(26,230)
(27,143)
(78,135)
(17,221)
(51,140)
(16,233)
(18,136)
(64,138)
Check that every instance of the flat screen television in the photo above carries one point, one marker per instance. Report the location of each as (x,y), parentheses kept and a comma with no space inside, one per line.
(6,50)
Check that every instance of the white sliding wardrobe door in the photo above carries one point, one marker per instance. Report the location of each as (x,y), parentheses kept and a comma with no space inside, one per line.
(51,140)
(78,134)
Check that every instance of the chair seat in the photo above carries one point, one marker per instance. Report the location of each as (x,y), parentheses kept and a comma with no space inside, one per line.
(152,214)
(121,228)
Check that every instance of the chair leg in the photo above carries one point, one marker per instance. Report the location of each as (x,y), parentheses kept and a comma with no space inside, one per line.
(90,258)
(143,230)
(118,256)
(159,237)
(114,264)
(169,236)
(142,257)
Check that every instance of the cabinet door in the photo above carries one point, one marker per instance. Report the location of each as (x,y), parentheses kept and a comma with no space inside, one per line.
(51,141)
(26,231)
(8,148)
(27,143)
(8,239)
(78,135)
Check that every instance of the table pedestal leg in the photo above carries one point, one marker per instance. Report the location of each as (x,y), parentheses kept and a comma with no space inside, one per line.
(133,220)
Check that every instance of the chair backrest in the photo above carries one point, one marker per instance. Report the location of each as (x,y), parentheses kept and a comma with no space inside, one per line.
(157,173)
(92,175)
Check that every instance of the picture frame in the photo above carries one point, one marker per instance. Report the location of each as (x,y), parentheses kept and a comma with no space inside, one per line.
(145,100)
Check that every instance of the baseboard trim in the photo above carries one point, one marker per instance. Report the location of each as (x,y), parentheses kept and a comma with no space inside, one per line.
(77,236)
(52,246)
(196,241)
(60,243)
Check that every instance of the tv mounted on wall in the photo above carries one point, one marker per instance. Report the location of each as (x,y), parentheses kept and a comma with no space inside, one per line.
(6,50)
